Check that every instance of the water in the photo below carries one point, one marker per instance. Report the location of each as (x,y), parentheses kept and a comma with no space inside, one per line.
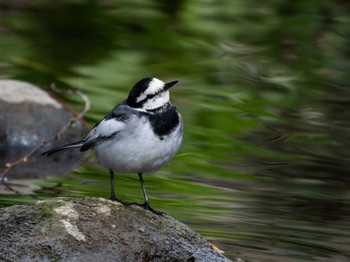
(264,168)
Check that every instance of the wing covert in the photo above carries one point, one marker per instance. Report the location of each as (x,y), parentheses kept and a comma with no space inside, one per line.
(108,127)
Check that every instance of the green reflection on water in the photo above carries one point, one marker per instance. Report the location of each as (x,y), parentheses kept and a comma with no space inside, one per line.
(264,167)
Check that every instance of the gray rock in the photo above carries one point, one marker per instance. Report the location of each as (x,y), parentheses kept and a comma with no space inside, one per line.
(91,229)
(28,115)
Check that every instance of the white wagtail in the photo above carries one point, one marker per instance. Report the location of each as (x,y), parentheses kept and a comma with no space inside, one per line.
(140,135)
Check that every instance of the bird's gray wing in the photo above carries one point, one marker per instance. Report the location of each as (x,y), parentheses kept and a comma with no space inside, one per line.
(109,126)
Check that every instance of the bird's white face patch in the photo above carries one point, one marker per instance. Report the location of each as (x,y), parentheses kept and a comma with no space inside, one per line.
(157,101)
(154,87)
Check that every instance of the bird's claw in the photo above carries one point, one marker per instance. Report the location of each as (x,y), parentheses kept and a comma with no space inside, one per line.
(114,198)
(147,206)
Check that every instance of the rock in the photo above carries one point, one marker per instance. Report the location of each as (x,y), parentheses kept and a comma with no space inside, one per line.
(95,229)
(28,115)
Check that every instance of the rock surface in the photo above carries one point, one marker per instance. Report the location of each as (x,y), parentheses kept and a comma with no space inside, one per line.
(28,115)
(95,229)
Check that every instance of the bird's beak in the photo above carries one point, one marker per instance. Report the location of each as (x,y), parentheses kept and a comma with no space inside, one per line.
(169,84)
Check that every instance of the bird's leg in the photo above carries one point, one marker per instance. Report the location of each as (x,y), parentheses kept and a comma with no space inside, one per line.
(113,196)
(143,189)
(146,205)
(111,176)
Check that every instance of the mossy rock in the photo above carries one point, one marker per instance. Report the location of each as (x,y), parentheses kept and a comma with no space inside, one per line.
(95,229)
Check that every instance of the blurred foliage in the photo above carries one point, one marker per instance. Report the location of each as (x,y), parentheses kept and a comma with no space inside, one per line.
(264,95)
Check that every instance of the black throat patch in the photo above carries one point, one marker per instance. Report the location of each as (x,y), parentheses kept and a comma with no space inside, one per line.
(163,120)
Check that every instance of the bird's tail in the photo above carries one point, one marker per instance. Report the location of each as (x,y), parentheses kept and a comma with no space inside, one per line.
(65,147)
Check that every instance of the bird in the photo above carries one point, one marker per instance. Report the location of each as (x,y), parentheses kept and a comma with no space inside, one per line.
(139,135)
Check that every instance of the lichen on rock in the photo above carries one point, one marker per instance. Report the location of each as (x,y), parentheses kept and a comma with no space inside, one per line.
(96,229)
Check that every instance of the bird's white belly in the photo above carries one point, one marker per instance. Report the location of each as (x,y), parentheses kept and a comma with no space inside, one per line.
(138,151)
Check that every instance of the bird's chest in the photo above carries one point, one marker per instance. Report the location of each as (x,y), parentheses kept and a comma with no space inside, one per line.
(155,136)
(164,123)
(144,146)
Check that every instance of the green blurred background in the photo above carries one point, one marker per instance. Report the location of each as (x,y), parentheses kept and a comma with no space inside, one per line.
(264,170)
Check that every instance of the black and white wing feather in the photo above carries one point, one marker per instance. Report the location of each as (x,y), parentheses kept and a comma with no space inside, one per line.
(107,128)
(62,148)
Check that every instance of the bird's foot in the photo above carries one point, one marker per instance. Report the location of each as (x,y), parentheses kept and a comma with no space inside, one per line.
(147,206)
(114,198)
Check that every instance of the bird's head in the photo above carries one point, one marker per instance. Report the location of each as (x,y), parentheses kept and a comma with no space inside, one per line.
(149,93)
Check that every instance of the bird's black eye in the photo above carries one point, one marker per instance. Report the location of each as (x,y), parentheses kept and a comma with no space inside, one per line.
(153,95)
